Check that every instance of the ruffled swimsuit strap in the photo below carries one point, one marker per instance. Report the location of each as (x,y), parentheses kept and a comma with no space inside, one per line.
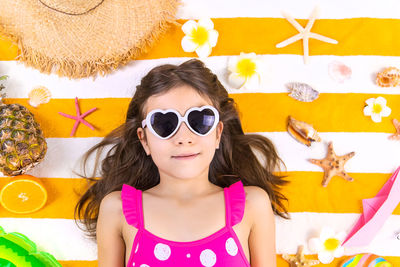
(235,199)
(132,205)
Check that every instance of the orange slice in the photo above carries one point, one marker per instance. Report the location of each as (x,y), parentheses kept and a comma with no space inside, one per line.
(24,194)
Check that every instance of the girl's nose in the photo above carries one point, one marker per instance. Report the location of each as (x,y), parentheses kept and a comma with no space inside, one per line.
(184,135)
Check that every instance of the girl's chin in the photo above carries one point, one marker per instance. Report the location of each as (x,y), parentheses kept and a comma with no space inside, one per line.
(186,176)
(185,173)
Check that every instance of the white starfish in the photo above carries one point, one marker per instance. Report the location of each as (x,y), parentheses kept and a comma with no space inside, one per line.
(304,33)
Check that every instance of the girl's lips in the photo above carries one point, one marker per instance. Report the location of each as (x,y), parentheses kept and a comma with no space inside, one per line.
(186,156)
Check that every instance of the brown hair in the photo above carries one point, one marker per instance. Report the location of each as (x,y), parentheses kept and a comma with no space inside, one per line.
(126,162)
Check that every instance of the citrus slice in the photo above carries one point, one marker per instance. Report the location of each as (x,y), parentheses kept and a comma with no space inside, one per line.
(24,194)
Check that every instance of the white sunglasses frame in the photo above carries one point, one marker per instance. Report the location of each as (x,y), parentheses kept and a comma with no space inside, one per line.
(146,121)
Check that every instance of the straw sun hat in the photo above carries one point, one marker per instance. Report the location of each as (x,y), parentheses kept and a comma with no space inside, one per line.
(81,38)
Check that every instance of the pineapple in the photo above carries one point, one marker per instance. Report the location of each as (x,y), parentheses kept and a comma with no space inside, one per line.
(22,145)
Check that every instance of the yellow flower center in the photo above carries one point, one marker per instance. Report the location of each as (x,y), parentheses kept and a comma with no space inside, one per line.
(246,67)
(377,108)
(200,35)
(331,244)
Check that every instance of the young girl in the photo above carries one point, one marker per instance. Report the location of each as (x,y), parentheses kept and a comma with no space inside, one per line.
(181,184)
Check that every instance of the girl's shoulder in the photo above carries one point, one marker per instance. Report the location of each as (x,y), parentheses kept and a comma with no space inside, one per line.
(110,212)
(255,194)
(257,201)
(111,203)
(112,198)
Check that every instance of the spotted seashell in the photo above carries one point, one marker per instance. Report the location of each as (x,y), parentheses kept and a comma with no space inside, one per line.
(302,92)
(365,260)
(302,131)
(338,71)
(389,77)
(39,95)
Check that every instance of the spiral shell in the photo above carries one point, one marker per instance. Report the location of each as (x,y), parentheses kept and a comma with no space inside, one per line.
(39,95)
(302,92)
(302,131)
(389,77)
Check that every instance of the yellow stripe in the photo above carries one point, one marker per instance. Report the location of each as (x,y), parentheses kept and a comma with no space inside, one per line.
(78,263)
(110,114)
(61,199)
(304,192)
(356,36)
(329,113)
(395,261)
(8,50)
(259,112)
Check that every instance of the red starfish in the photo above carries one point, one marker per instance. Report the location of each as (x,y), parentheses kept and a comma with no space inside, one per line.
(79,117)
(396,136)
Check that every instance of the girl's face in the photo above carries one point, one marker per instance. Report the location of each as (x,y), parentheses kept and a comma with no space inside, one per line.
(170,155)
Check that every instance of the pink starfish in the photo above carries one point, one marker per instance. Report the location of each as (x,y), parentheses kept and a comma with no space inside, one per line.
(78,117)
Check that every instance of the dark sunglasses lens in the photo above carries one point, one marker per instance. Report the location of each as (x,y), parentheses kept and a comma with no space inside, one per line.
(164,124)
(201,121)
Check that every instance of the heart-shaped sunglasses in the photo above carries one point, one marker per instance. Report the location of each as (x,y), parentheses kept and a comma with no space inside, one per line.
(165,123)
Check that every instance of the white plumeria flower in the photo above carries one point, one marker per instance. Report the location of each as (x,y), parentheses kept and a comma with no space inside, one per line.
(200,37)
(327,245)
(376,108)
(244,71)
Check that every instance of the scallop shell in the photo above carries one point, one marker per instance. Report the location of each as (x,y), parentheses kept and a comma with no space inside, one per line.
(365,260)
(389,77)
(302,92)
(39,95)
(339,72)
(302,131)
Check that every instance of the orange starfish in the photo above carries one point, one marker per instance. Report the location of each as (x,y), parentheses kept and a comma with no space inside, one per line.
(396,136)
(333,165)
(299,259)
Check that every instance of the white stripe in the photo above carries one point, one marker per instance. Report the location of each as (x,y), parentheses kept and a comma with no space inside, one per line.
(194,9)
(64,157)
(62,238)
(59,237)
(305,225)
(277,71)
(375,153)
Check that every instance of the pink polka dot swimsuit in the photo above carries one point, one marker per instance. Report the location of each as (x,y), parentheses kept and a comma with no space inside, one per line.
(222,248)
